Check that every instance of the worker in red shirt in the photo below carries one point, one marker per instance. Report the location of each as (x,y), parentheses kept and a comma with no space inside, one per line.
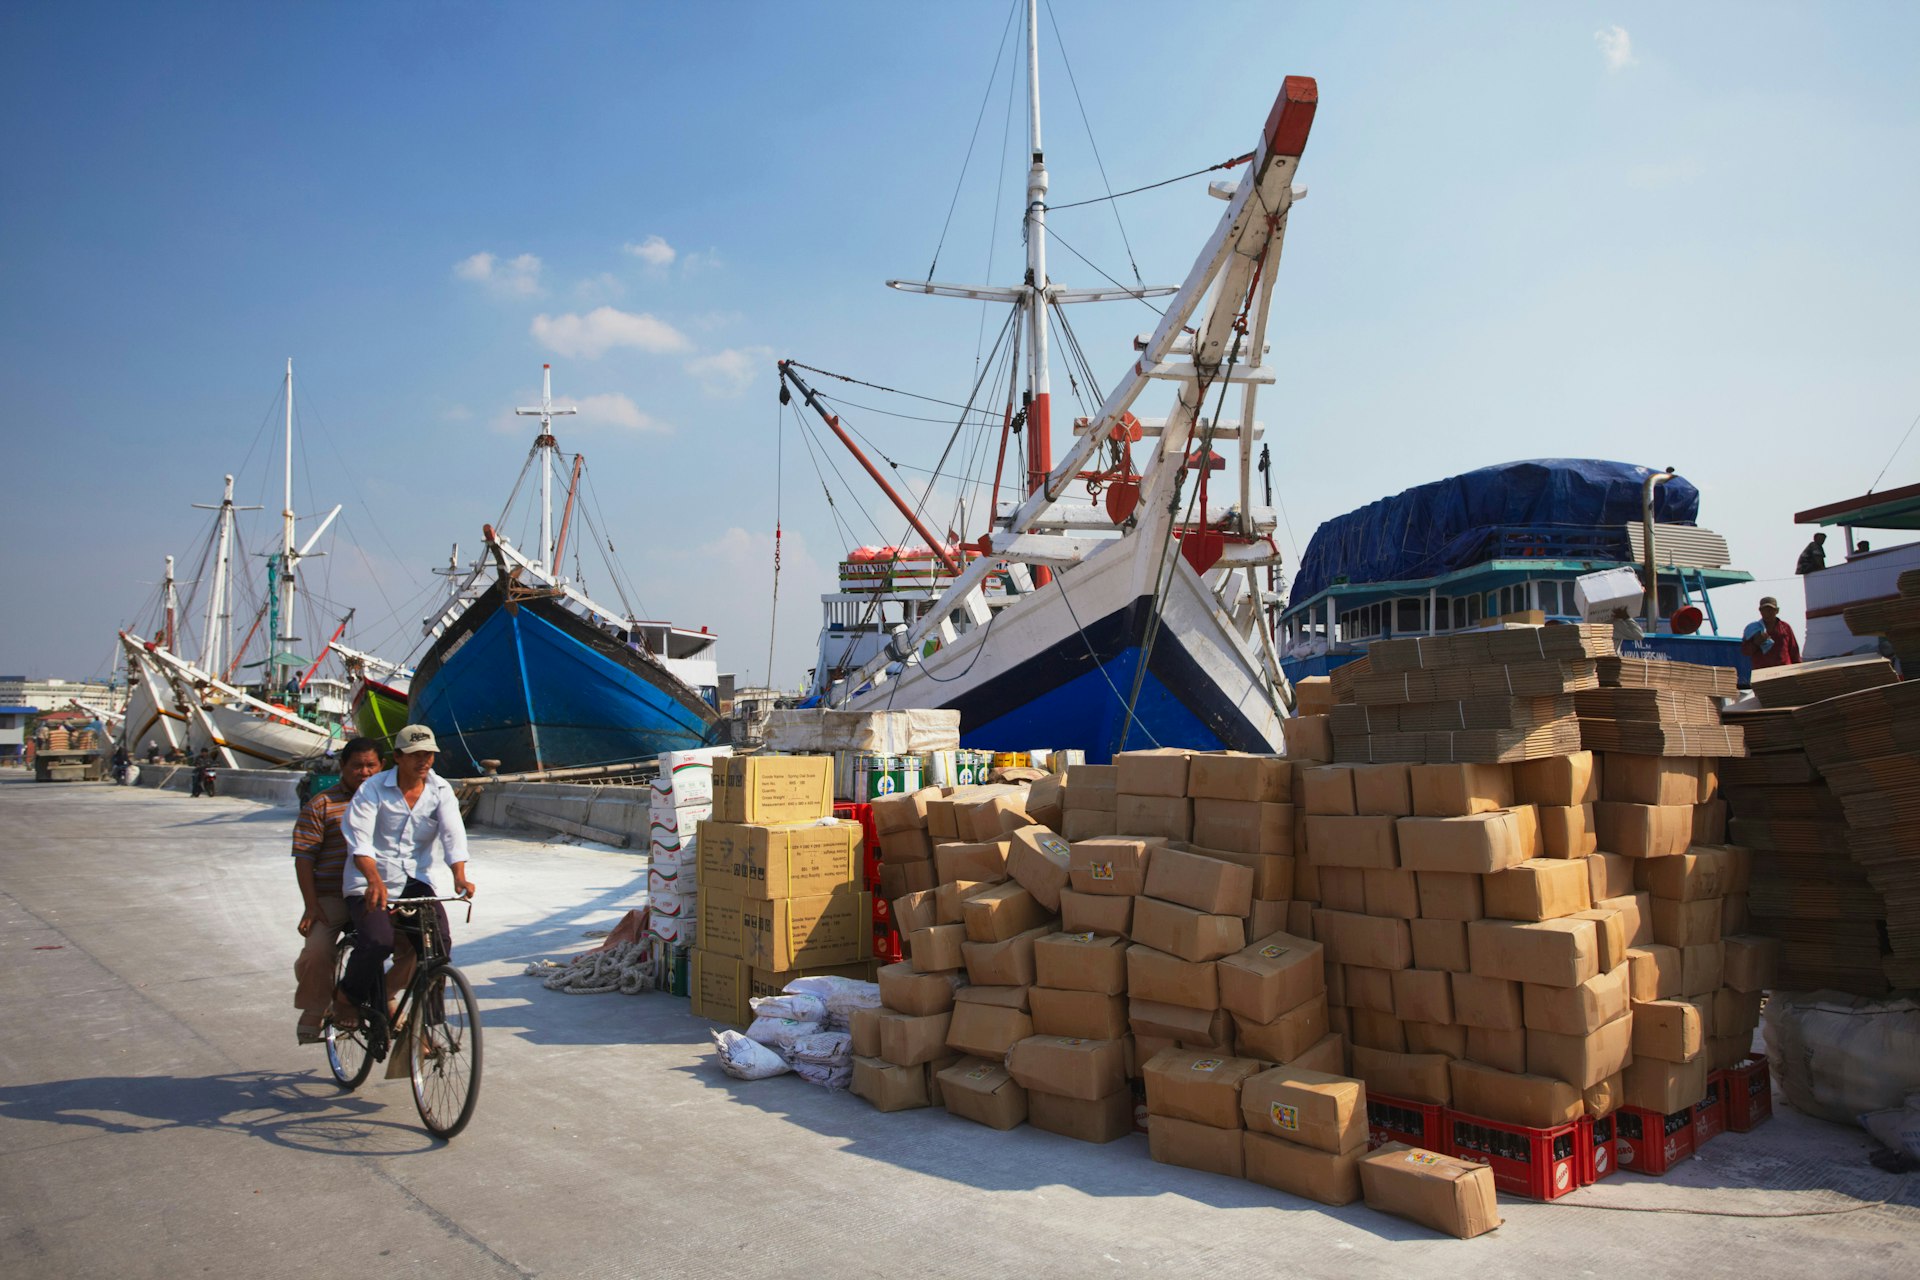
(1770,642)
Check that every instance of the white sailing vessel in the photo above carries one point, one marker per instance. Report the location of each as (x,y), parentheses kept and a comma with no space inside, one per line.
(1134,612)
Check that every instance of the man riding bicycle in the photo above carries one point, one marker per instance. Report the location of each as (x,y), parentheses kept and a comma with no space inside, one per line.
(399,825)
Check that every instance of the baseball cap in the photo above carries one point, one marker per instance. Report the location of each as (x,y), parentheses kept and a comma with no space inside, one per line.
(414,737)
(1765,602)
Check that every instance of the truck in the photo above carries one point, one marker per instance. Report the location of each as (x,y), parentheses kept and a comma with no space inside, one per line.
(70,751)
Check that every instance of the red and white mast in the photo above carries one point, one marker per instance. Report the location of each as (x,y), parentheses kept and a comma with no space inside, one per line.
(1039,387)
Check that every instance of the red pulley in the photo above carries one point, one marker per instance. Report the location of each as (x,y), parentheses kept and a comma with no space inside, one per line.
(1122,497)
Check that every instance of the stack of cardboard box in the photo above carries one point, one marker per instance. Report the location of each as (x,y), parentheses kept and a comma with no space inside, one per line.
(779,884)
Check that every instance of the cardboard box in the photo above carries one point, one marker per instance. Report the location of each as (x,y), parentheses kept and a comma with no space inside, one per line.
(1538,889)
(887,1086)
(1440,944)
(1610,931)
(1376,1030)
(1636,915)
(1449,1195)
(1201,1087)
(1643,830)
(898,879)
(1299,919)
(1751,963)
(1733,915)
(1081,962)
(1504,1051)
(1181,931)
(1418,1077)
(1159,772)
(1327,790)
(1306,877)
(1686,924)
(936,950)
(1685,877)
(1273,917)
(1109,866)
(1101,1120)
(1092,777)
(1046,800)
(1075,799)
(1232,775)
(910,845)
(1702,968)
(1566,831)
(721,929)
(1037,862)
(863,1024)
(1436,1037)
(1537,1102)
(1352,842)
(1582,1060)
(1243,826)
(1666,1087)
(1607,1097)
(910,1040)
(772,789)
(1325,1176)
(904,989)
(936,1096)
(1343,889)
(785,933)
(948,899)
(1155,975)
(999,997)
(1287,1038)
(1198,1030)
(1069,1066)
(1609,876)
(1560,781)
(1205,884)
(1327,1054)
(978,861)
(1653,973)
(1275,974)
(1307,738)
(1735,1012)
(906,811)
(1089,824)
(1710,822)
(1653,780)
(941,824)
(1195,1146)
(1364,940)
(1382,790)
(718,985)
(1450,895)
(987,1029)
(1458,790)
(779,861)
(1575,1011)
(1422,995)
(1087,1014)
(1394,894)
(999,913)
(1002,964)
(1473,844)
(1095,913)
(1493,1003)
(1312,1108)
(1366,988)
(1557,953)
(991,813)
(1168,816)
(914,911)
(1671,1030)
(982,1091)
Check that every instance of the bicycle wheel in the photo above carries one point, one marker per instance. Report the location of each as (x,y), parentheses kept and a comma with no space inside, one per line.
(444,1057)
(349,1051)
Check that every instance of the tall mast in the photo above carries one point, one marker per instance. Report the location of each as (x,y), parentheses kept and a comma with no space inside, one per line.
(543,446)
(171,603)
(219,633)
(286,531)
(1040,388)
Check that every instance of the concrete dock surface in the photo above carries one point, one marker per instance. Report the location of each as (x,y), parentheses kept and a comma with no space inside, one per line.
(158,1119)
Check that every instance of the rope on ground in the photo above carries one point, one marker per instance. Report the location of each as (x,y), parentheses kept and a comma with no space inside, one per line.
(626,968)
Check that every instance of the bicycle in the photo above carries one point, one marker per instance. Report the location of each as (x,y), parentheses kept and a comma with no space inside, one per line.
(439,1023)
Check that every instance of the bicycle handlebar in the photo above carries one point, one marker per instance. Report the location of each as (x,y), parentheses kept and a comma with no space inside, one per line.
(413,904)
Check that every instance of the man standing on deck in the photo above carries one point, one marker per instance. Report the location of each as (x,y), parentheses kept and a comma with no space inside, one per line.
(1814,557)
(319,859)
(1770,642)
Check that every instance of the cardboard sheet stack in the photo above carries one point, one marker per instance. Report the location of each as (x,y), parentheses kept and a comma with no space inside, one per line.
(1807,889)
(1659,708)
(778,885)
(1896,620)
(680,798)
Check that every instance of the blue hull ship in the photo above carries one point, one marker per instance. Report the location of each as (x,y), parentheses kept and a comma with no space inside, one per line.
(1509,542)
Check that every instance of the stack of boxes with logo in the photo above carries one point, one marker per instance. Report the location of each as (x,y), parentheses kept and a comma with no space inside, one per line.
(680,798)
(779,884)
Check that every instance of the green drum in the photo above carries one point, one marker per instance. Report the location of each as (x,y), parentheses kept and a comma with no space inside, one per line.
(878,776)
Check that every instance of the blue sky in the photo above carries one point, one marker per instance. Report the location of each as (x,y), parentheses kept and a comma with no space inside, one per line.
(1691,243)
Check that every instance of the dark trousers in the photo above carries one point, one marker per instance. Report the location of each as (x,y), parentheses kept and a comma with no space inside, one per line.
(364,981)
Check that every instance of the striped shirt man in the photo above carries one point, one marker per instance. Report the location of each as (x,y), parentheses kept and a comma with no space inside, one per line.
(318,839)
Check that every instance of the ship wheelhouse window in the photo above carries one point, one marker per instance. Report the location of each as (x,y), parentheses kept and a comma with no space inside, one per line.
(1409,615)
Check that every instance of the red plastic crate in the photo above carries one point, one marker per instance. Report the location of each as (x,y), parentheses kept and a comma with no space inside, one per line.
(1648,1142)
(1710,1113)
(1418,1124)
(1747,1089)
(1597,1145)
(1540,1164)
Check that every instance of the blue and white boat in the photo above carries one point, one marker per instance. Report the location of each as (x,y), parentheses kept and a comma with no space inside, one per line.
(1510,542)
(526,673)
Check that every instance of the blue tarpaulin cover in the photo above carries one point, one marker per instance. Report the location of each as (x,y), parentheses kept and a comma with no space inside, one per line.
(1450,524)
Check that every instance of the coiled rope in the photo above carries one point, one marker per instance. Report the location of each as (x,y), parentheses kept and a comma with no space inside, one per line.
(626,967)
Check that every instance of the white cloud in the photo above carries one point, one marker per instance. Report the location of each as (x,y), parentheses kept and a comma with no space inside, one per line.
(600,288)
(616,410)
(1616,47)
(514,277)
(702,260)
(732,371)
(654,251)
(595,333)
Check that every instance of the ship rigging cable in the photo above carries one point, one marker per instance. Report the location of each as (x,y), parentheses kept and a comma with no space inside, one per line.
(1087,124)
(779,476)
(1000,52)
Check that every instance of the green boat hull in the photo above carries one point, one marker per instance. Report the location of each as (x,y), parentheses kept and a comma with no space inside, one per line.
(379,712)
